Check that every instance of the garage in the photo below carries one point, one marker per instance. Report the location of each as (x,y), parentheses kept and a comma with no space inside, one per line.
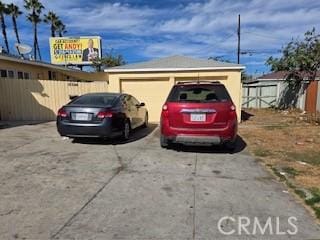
(144,91)
(151,81)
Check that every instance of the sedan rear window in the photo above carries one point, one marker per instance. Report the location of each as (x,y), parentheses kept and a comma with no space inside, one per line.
(98,100)
(199,93)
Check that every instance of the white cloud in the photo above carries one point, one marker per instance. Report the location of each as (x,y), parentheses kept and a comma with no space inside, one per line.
(111,17)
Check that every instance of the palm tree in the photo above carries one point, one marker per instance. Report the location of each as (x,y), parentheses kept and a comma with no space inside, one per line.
(14,11)
(35,8)
(52,19)
(61,28)
(3,12)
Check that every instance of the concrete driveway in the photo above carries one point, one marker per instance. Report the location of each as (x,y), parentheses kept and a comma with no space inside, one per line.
(53,188)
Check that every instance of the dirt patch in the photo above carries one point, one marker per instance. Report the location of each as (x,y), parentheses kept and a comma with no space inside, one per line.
(286,143)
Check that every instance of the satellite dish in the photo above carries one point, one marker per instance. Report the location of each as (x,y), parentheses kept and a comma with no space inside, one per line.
(23,48)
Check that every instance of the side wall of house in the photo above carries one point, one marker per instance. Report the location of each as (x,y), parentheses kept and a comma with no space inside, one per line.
(154,87)
(39,100)
(42,72)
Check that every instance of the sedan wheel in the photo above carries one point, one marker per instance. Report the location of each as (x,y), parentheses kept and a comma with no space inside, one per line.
(126,131)
(146,119)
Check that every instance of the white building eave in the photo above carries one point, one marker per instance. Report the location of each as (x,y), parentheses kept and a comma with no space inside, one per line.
(123,70)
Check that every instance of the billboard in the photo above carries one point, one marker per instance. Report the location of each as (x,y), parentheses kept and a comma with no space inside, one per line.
(74,50)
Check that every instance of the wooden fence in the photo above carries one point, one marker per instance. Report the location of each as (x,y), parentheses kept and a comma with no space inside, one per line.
(39,100)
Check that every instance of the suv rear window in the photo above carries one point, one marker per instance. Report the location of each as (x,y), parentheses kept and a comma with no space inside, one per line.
(98,100)
(199,93)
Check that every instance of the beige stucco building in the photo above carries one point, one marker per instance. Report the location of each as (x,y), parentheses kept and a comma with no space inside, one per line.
(19,68)
(41,85)
(151,81)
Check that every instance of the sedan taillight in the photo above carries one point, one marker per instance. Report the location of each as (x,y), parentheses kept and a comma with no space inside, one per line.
(102,115)
(62,113)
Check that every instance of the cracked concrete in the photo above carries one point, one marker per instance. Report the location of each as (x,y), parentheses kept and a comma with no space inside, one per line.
(59,189)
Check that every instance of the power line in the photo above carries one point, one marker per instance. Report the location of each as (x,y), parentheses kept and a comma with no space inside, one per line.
(259,51)
(262,35)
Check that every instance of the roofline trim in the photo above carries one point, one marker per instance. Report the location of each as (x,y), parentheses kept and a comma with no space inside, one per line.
(36,63)
(282,79)
(271,79)
(116,70)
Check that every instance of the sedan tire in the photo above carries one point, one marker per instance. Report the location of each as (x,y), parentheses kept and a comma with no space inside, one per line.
(146,121)
(126,130)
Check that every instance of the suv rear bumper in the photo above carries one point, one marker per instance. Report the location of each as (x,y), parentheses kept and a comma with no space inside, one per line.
(197,139)
(200,136)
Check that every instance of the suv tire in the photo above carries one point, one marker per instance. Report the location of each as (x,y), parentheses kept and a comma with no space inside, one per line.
(164,142)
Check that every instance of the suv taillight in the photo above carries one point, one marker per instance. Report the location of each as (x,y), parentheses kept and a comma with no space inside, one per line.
(102,115)
(62,113)
(233,113)
(165,107)
(165,110)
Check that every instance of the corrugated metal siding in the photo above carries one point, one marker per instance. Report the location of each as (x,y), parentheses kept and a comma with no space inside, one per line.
(40,99)
(259,96)
(278,92)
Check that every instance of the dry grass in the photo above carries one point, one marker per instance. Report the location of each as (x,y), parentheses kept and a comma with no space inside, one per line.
(286,143)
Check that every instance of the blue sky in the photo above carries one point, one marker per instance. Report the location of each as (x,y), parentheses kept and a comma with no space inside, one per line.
(147,29)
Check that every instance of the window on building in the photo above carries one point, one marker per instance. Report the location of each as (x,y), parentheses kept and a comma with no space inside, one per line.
(20,75)
(3,73)
(52,75)
(40,76)
(10,74)
(26,75)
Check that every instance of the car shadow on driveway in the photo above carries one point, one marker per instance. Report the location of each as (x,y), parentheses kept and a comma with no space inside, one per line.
(240,146)
(136,135)
(12,124)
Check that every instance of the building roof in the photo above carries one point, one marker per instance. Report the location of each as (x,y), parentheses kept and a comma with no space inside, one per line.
(280,75)
(175,63)
(17,59)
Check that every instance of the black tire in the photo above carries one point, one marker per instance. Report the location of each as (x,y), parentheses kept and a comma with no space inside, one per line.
(126,130)
(146,121)
(164,142)
(231,145)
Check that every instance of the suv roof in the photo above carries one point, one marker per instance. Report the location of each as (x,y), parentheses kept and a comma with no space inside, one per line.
(198,82)
(198,92)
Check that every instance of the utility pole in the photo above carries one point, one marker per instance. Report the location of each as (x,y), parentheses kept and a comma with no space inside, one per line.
(239,39)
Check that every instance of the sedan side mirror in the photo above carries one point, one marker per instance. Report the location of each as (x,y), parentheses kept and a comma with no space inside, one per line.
(140,105)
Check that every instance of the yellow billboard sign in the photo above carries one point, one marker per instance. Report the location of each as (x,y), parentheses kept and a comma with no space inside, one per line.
(74,50)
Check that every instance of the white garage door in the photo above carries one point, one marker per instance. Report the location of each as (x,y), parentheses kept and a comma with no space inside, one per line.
(152,92)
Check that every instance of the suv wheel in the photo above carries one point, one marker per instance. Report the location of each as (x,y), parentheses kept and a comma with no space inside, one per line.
(164,142)
(231,145)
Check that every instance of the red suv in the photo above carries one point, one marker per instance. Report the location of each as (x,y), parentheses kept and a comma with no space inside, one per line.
(200,113)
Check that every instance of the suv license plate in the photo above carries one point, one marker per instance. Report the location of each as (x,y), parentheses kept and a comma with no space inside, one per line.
(195,117)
